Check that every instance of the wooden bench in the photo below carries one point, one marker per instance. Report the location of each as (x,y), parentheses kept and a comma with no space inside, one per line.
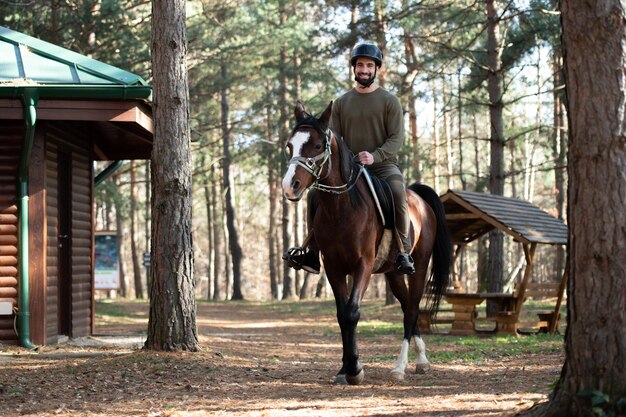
(547,318)
(466,316)
(428,320)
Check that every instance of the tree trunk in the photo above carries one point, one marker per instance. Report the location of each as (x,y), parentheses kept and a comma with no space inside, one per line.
(300,216)
(354,34)
(228,265)
(206,181)
(272,179)
(306,286)
(559,141)
(119,228)
(172,321)
(54,21)
(460,137)
(272,232)
(321,286)
(147,225)
(447,137)
(410,100)
(496,170)
(381,38)
(436,143)
(480,183)
(594,45)
(133,234)
(218,234)
(233,237)
(283,131)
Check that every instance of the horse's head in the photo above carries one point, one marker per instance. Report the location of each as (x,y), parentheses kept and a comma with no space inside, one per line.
(309,150)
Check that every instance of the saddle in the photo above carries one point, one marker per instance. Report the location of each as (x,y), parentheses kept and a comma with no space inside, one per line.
(381,192)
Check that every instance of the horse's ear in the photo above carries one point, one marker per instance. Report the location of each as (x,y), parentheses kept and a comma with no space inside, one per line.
(325,118)
(299,112)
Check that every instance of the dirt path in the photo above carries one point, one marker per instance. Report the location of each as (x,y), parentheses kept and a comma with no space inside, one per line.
(262,360)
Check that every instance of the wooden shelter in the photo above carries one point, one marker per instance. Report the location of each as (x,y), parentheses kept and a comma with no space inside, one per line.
(471,214)
(59,112)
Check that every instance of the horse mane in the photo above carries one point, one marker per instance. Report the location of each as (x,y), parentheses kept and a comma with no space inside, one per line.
(308,121)
(349,169)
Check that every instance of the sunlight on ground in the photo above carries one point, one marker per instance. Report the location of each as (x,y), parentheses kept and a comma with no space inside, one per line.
(275,360)
(232,324)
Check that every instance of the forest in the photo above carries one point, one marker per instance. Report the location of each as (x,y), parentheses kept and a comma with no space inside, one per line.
(481,84)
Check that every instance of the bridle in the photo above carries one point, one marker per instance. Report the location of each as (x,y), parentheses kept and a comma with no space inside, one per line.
(310,165)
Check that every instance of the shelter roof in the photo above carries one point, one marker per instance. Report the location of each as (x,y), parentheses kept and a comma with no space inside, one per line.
(471,214)
(28,58)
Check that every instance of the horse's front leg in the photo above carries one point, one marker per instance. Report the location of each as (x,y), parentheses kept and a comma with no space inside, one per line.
(348,315)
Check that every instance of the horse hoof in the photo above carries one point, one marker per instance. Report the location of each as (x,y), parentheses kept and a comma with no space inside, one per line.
(397,376)
(355,379)
(340,379)
(422,368)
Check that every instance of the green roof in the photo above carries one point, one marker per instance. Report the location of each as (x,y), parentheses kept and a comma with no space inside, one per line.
(28,58)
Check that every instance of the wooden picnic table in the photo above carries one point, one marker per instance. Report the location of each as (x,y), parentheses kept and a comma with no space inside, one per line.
(464,309)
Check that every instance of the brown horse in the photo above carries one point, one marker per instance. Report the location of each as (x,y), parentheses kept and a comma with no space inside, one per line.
(352,240)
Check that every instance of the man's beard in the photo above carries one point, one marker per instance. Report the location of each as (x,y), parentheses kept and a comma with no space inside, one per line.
(365,82)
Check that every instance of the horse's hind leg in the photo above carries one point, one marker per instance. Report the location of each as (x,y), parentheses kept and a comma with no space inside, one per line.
(417,284)
(403,294)
(409,300)
(421,363)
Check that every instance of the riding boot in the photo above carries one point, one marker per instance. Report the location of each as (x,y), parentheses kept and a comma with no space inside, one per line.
(404,262)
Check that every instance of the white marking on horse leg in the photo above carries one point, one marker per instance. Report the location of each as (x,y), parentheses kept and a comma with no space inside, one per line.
(297,142)
(403,360)
(421,364)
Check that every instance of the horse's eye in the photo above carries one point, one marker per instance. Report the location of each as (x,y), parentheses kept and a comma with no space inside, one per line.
(318,146)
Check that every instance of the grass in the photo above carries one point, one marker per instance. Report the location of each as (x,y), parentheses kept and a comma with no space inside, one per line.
(112,309)
(373,328)
(479,350)
(378,320)
(476,349)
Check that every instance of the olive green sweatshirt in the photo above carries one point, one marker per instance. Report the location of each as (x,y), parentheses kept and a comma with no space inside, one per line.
(370,122)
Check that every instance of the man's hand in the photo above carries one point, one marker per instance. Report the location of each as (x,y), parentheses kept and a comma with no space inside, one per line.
(366,158)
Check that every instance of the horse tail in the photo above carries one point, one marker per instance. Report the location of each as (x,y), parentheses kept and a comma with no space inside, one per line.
(442,249)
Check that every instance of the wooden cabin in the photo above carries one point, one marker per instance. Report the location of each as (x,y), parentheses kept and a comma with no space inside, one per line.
(59,112)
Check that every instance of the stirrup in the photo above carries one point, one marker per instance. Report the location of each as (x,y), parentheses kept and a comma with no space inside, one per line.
(294,257)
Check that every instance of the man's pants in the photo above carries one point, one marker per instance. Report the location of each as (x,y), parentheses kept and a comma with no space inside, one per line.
(390,172)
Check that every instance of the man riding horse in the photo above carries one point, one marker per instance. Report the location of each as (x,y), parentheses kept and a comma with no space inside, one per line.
(370,121)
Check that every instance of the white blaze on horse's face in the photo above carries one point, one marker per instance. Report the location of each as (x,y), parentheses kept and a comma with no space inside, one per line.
(297,142)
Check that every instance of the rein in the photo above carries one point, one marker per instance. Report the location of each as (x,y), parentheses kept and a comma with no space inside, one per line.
(339,189)
(310,165)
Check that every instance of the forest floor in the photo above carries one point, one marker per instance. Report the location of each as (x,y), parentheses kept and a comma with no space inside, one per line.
(272,359)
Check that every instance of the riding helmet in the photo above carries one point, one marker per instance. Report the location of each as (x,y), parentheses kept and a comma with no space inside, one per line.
(367,50)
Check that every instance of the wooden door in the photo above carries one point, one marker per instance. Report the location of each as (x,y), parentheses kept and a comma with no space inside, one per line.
(64,242)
